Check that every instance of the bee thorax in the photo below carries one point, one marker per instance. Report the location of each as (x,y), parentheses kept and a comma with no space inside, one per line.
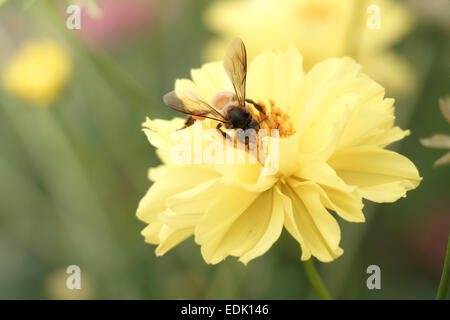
(222,99)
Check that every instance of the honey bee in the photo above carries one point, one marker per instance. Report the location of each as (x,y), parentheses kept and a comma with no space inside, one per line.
(228,108)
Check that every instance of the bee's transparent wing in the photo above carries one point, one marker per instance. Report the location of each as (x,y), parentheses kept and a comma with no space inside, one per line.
(235,64)
(189,102)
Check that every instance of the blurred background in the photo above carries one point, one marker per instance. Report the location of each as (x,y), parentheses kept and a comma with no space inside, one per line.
(74,161)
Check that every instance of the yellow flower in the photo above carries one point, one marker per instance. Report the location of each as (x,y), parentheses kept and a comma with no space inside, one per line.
(440,141)
(334,124)
(38,72)
(319,29)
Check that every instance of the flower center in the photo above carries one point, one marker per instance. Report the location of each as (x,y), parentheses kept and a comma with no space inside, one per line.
(275,118)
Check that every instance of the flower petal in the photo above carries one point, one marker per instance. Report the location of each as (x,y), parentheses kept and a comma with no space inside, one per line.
(381,175)
(291,224)
(316,84)
(169,184)
(386,137)
(159,132)
(275,76)
(322,131)
(320,172)
(319,230)
(194,200)
(211,79)
(165,237)
(252,233)
(178,221)
(229,203)
(272,231)
(169,238)
(151,232)
(348,205)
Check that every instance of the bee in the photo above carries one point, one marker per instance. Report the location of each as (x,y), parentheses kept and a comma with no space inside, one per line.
(228,108)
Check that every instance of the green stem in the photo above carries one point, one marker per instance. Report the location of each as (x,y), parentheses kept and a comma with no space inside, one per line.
(445,278)
(314,279)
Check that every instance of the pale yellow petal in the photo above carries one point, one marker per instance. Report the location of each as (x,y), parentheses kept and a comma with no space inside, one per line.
(287,157)
(251,234)
(169,238)
(347,204)
(320,172)
(320,231)
(364,123)
(228,204)
(273,230)
(169,184)
(321,135)
(177,221)
(210,79)
(315,85)
(195,200)
(290,221)
(381,175)
(274,75)
(165,237)
(159,132)
(151,232)
(386,137)
(186,84)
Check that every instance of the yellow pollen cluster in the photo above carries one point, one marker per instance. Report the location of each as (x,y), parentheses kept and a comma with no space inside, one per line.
(276,119)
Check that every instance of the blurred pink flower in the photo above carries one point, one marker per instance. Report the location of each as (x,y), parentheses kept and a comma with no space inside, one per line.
(118,20)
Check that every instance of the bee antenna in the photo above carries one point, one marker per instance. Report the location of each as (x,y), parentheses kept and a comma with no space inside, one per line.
(263,119)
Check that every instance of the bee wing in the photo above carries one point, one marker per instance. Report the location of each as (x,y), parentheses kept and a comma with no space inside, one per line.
(235,64)
(189,102)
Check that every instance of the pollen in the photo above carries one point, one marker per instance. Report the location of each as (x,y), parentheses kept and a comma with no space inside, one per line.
(275,118)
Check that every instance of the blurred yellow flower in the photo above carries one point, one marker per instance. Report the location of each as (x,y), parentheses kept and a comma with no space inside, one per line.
(335,124)
(319,29)
(441,141)
(38,72)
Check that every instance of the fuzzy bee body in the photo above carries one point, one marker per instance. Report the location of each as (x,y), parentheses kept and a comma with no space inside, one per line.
(228,108)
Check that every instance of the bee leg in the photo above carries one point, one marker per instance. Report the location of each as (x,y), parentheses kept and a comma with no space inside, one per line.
(257,106)
(247,144)
(226,136)
(189,122)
